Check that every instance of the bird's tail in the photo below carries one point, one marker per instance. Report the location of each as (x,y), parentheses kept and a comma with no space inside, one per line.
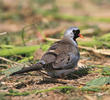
(34,67)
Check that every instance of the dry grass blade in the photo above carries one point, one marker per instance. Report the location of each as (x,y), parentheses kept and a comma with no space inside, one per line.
(3,33)
(105,52)
(51,39)
(7,60)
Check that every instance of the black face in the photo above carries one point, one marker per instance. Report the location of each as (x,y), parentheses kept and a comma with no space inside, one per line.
(76,33)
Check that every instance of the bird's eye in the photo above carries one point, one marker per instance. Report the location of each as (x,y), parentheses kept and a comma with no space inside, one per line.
(74,31)
(77,31)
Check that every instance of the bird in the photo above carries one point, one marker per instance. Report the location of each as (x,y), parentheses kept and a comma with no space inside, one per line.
(61,58)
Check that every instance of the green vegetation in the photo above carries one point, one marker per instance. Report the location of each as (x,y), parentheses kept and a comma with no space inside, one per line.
(65,17)
(43,2)
(18,50)
(99,42)
(16,93)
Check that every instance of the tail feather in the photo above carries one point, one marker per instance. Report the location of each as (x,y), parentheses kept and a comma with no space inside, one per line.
(34,67)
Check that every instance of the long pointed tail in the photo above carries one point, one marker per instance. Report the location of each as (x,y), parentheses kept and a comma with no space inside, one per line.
(34,67)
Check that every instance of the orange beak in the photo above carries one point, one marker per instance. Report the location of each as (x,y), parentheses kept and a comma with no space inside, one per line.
(81,36)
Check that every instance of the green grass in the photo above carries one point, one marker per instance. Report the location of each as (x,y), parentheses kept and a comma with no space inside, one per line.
(18,50)
(17,93)
(59,16)
(99,42)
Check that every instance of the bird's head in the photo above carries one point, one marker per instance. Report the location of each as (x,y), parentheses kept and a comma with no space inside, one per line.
(72,33)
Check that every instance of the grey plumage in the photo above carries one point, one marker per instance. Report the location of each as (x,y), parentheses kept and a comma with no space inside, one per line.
(61,58)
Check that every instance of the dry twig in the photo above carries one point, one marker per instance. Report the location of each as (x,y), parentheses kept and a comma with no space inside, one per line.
(7,60)
(97,52)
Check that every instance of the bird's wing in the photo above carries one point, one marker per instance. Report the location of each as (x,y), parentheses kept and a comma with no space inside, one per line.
(66,61)
(51,55)
(62,55)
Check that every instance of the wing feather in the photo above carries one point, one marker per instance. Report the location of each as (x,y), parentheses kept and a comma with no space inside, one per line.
(62,55)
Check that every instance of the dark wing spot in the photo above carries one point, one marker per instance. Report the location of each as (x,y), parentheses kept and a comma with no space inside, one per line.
(53,47)
(52,53)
